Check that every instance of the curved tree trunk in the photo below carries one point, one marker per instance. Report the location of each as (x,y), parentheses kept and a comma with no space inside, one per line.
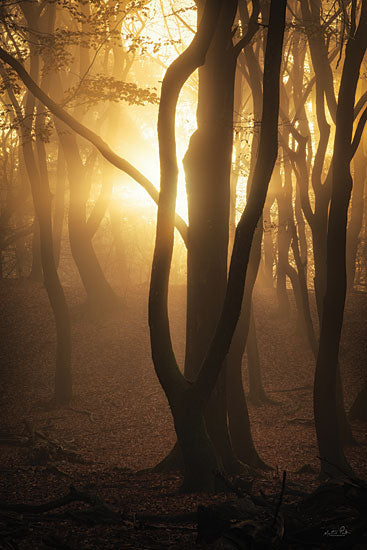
(283,237)
(189,401)
(325,390)
(207,166)
(36,266)
(42,204)
(238,417)
(356,216)
(100,296)
(268,255)
(198,453)
(267,154)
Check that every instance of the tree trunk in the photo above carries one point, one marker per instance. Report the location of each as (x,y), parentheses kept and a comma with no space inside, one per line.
(238,417)
(250,218)
(358,410)
(42,204)
(325,390)
(198,453)
(282,198)
(59,204)
(256,392)
(356,216)
(100,295)
(36,273)
(208,167)
(208,171)
(188,401)
(268,256)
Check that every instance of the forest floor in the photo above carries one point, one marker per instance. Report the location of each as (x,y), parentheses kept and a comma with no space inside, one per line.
(119,421)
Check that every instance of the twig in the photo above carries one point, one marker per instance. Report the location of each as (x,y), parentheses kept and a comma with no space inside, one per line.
(280,498)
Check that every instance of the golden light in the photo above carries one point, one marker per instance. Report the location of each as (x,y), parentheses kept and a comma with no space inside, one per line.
(141,148)
(131,194)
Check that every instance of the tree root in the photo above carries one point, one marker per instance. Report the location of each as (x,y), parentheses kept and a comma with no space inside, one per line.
(257,522)
(83,411)
(280,499)
(98,512)
(41,452)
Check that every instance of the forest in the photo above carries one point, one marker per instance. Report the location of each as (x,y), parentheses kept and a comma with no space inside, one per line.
(183,274)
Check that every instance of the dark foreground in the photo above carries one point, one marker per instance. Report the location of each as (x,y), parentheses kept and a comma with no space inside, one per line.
(69,477)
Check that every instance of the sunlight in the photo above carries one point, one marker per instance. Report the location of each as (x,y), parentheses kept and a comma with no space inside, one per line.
(111,313)
(129,192)
(141,148)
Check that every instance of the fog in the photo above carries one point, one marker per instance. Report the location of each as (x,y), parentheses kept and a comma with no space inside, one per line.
(183,274)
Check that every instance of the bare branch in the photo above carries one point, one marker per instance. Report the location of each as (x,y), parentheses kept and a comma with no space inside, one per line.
(89,135)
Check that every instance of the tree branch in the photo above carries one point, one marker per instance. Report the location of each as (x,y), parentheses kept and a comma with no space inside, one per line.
(358,133)
(252,28)
(176,75)
(89,135)
(267,154)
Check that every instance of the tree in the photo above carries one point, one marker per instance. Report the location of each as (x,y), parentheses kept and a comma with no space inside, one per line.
(207,165)
(37,174)
(42,204)
(188,400)
(98,25)
(325,390)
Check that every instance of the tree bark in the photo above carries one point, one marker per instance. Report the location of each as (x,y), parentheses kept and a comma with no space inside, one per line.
(358,410)
(356,216)
(325,394)
(42,204)
(199,456)
(100,296)
(59,204)
(207,166)
(267,154)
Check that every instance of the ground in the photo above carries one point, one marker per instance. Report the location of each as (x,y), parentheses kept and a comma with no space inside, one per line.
(119,421)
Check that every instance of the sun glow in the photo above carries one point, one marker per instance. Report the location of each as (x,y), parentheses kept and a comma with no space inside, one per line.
(141,148)
(144,155)
(127,191)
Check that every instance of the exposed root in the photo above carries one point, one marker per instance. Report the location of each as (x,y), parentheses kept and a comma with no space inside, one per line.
(83,411)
